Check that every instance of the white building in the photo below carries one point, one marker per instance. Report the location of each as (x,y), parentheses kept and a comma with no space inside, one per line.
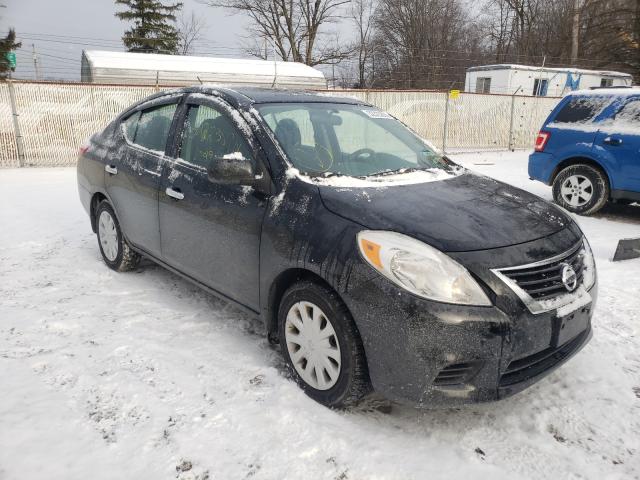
(540,81)
(178,70)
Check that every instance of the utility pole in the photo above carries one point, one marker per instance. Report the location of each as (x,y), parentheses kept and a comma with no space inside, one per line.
(575,32)
(36,65)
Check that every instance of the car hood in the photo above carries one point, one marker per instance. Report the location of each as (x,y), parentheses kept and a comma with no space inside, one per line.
(464,213)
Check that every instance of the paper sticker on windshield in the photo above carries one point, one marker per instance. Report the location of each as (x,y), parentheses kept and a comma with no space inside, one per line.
(376,114)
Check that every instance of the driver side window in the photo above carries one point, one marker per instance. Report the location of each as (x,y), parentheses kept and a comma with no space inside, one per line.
(208,134)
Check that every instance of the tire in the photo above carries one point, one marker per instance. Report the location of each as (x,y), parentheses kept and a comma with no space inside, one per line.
(116,252)
(581,189)
(339,388)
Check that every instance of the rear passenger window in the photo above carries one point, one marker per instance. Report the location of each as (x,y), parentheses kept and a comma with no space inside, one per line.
(630,114)
(153,127)
(208,135)
(581,110)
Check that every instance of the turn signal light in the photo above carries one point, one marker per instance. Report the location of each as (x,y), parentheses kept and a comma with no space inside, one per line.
(372,251)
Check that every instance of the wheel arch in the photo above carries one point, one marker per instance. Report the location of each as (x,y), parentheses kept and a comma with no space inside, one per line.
(93,208)
(567,162)
(279,286)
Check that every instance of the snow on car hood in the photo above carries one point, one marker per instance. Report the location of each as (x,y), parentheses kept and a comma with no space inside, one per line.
(463,213)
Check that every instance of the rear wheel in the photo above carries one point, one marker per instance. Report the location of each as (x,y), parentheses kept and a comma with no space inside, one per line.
(581,189)
(116,252)
(322,346)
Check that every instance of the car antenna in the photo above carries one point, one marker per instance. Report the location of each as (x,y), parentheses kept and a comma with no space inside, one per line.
(201,82)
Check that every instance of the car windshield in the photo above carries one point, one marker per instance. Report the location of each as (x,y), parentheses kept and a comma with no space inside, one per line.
(354,140)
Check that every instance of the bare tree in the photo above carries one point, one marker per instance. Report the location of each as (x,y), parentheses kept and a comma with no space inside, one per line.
(191,29)
(292,26)
(362,16)
(419,43)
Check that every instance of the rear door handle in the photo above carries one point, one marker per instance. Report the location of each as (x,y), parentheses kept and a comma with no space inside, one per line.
(613,141)
(111,169)
(177,194)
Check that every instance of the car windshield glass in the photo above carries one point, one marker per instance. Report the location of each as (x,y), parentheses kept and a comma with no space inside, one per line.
(354,140)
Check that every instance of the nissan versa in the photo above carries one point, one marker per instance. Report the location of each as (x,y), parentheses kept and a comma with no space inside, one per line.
(375,262)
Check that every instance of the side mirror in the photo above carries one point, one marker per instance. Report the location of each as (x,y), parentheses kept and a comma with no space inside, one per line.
(232,169)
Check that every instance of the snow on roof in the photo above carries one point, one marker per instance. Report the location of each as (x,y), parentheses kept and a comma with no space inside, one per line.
(596,92)
(506,66)
(182,63)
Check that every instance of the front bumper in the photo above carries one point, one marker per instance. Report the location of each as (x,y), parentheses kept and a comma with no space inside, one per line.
(428,353)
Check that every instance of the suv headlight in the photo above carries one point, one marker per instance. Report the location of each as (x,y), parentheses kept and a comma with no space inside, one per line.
(589,272)
(420,268)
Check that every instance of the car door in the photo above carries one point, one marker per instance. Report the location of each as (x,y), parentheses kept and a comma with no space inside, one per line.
(211,231)
(619,141)
(133,175)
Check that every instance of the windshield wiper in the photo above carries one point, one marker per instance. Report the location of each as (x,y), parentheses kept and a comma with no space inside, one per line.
(396,171)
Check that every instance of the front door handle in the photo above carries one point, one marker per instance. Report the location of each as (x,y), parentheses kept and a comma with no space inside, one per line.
(177,194)
(110,169)
(613,141)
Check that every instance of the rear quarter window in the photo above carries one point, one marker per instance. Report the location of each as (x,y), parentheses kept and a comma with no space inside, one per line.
(581,109)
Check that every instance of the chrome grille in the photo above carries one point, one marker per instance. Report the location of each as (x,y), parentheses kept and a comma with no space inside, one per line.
(543,280)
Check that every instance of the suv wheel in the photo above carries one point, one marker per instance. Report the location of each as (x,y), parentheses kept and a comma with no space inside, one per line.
(321,345)
(581,189)
(115,251)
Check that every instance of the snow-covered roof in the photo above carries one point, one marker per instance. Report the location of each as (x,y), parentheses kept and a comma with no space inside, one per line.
(506,66)
(110,67)
(598,92)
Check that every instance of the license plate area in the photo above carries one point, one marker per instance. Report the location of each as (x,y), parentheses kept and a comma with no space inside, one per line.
(569,326)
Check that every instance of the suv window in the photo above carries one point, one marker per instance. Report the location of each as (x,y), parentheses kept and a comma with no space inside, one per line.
(629,114)
(581,109)
(208,134)
(151,129)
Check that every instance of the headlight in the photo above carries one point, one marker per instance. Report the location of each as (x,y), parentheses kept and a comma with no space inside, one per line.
(420,268)
(589,272)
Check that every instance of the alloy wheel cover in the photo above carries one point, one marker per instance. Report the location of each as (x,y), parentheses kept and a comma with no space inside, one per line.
(108,236)
(313,345)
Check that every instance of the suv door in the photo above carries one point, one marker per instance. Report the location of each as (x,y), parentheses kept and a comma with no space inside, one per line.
(619,141)
(211,231)
(133,178)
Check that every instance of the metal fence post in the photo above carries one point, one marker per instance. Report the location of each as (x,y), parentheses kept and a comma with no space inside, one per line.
(16,124)
(513,102)
(445,129)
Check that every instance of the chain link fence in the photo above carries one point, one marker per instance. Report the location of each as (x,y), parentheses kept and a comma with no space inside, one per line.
(43,124)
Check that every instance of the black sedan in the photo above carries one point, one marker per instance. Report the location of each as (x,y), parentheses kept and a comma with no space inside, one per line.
(375,262)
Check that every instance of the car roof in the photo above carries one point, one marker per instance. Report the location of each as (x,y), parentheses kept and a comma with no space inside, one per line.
(247,96)
(606,92)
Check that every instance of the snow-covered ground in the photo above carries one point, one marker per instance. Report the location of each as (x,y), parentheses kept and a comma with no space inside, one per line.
(142,375)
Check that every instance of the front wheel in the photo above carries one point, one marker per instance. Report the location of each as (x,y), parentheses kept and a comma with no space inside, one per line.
(116,252)
(581,189)
(322,346)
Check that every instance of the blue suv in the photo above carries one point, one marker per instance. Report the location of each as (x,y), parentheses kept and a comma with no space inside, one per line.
(589,149)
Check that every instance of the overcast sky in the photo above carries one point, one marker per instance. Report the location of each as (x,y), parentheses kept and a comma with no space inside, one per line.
(38,22)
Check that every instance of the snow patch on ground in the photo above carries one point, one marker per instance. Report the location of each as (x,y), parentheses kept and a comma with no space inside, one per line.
(142,375)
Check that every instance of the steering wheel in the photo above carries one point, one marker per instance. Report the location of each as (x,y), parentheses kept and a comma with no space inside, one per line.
(362,155)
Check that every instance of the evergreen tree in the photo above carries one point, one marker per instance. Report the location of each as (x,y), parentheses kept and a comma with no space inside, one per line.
(153,29)
(7,44)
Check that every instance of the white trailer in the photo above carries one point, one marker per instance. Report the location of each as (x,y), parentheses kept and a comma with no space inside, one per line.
(539,81)
(178,70)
